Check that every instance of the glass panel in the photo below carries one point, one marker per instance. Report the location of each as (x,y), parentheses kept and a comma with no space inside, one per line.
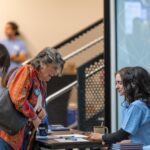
(133,35)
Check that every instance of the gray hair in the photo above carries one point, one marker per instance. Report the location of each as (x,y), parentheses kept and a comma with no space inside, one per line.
(47,56)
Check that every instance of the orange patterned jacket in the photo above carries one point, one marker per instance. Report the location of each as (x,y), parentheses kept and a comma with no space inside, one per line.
(19,89)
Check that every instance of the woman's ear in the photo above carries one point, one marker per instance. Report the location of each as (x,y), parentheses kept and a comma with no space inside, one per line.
(42,65)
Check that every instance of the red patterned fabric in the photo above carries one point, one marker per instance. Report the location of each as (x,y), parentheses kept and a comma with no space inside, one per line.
(19,90)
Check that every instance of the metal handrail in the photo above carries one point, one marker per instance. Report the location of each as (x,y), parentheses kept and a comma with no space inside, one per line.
(76,52)
(27,61)
(95,71)
(72,37)
(61,91)
(68,87)
(83,48)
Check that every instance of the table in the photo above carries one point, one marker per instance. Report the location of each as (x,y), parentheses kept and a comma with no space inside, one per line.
(53,144)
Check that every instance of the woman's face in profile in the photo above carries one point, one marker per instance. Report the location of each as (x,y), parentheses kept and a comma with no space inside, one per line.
(48,71)
(119,85)
(9,31)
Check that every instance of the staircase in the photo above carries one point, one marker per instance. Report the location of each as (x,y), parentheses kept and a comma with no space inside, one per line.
(79,49)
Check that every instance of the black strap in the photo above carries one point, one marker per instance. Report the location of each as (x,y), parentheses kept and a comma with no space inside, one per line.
(30,92)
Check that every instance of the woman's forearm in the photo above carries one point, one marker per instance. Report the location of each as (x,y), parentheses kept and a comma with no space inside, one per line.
(115,137)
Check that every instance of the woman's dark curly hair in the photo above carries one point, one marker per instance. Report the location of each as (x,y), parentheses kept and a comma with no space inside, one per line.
(136,82)
(4,61)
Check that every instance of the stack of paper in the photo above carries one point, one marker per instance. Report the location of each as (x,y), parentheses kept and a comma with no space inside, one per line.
(57,127)
(127,146)
(48,137)
(72,138)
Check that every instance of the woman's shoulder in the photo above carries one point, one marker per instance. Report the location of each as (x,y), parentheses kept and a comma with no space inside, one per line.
(21,41)
(27,66)
(25,69)
(139,104)
(136,103)
(4,41)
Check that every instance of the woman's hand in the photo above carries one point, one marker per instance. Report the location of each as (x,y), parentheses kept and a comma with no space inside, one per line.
(104,148)
(18,57)
(125,142)
(95,136)
(36,122)
(41,113)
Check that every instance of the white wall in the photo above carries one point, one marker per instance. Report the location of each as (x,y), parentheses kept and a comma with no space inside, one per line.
(47,22)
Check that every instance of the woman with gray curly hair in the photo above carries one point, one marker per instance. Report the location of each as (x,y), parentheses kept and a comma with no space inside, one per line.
(31,79)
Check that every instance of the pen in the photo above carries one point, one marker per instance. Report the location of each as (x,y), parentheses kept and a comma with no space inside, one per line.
(71,138)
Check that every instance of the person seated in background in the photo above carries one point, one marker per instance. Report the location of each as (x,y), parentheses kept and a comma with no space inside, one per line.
(16,47)
(134,84)
(4,62)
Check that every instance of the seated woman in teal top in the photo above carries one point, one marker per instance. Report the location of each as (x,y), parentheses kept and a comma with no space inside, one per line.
(16,47)
(134,84)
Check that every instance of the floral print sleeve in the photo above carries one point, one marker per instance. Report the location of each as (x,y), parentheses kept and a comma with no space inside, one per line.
(19,92)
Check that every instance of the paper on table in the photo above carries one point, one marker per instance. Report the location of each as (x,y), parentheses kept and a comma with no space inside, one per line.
(63,140)
(71,135)
(61,136)
(38,137)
